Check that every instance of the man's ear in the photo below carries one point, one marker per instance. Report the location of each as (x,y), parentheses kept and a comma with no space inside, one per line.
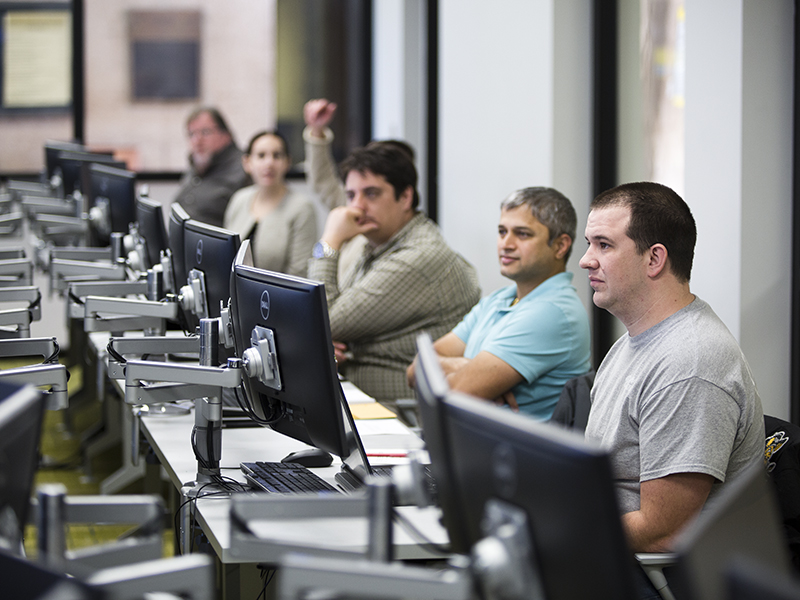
(657,260)
(407,198)
(561,245)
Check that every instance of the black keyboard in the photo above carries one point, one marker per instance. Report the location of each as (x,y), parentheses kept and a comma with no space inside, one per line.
(350,482)
(284,478)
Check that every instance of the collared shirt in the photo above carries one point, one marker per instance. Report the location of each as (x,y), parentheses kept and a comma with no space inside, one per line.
(544,337)
(413,283)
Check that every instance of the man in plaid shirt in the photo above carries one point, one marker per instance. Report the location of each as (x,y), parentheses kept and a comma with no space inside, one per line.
(406,281)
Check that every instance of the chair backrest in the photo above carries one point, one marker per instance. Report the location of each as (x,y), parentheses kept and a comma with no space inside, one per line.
(782,457)
(572,408)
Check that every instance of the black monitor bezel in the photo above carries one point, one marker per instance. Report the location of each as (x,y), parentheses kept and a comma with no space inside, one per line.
(152,228)
(51,150)
(322,423)
(75,177)
(217,273)
(21,416)
(177,218)
(431,389)
(121,213)
(562,483)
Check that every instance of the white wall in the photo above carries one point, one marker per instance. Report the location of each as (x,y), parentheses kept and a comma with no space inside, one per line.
(399,96)
(515,110)
(495,117)
(739,76)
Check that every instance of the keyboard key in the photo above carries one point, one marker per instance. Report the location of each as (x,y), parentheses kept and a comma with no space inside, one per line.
(284,478)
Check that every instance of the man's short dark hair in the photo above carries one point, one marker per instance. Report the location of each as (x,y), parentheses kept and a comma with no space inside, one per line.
(386,160)
(548,206)
(658,216)
(400,144)
(215,115)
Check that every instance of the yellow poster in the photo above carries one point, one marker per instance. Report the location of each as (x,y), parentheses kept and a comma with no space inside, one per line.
(37,59)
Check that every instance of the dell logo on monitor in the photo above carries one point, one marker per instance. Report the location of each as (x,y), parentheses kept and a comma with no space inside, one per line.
(265,304)
(504,470)
(199,252)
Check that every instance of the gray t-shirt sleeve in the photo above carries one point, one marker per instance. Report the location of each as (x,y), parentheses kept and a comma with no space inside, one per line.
(687,427)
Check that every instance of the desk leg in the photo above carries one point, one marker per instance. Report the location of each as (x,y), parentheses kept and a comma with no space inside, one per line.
(237,581)
(129,472)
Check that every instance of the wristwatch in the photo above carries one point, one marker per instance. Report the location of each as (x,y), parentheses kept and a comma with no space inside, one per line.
(323,250)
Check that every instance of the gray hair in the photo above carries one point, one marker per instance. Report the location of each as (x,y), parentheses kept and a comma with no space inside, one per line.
(550,207)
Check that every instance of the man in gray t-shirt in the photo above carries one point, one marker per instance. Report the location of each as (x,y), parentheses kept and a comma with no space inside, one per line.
(674,399)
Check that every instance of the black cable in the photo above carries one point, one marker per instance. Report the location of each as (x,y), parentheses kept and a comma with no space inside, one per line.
(230,484)
(266,575)
(176,517)
(74,298)
(53,358)
(248,410)
(114,354)
(38,300)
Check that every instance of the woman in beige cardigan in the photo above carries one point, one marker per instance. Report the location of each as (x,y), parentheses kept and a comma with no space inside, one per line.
(280,223)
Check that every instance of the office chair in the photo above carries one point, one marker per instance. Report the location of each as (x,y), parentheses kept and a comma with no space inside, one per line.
(775,520)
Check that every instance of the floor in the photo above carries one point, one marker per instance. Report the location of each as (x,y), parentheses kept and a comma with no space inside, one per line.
(62,462)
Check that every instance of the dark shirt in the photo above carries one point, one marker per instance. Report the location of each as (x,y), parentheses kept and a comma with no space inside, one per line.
(205,196)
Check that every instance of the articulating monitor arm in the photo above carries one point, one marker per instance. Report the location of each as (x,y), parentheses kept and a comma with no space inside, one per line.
(39,375)
(18,270)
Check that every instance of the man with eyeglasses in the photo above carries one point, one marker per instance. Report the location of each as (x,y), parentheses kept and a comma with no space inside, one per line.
(215,167)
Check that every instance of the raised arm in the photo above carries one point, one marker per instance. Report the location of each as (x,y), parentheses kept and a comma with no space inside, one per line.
(323,177)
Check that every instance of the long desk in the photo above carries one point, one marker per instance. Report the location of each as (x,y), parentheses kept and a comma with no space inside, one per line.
(170,439)
(169,436)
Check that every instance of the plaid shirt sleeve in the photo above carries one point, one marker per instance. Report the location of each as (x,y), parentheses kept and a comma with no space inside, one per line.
(393,292)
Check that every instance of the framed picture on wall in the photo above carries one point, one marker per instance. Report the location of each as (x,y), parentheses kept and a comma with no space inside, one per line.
(165,54)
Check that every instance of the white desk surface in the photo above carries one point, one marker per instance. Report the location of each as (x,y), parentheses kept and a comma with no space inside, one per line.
(170,437)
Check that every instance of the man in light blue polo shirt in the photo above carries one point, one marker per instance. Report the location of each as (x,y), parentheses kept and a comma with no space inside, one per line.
(521,344)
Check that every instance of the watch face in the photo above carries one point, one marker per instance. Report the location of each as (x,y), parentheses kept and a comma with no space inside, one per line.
(318,251)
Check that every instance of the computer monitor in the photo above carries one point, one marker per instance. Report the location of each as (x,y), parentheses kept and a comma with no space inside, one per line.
(306,404)
(70,164)
(211,251)
(24,579)
(115,189)
(152,229)
(559,482)
(51,150)
(21,414)
(431,388)
(746,579)
(177,217)
(741,523)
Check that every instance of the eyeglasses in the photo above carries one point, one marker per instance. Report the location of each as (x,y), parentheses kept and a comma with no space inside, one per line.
(203,132)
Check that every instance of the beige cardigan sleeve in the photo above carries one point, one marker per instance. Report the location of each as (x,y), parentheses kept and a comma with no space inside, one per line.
(321,172)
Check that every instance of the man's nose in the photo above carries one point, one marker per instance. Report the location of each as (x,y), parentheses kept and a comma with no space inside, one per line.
(586,260)
(358,201)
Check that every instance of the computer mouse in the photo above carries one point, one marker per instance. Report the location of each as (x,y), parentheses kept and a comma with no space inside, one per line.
(310,457)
